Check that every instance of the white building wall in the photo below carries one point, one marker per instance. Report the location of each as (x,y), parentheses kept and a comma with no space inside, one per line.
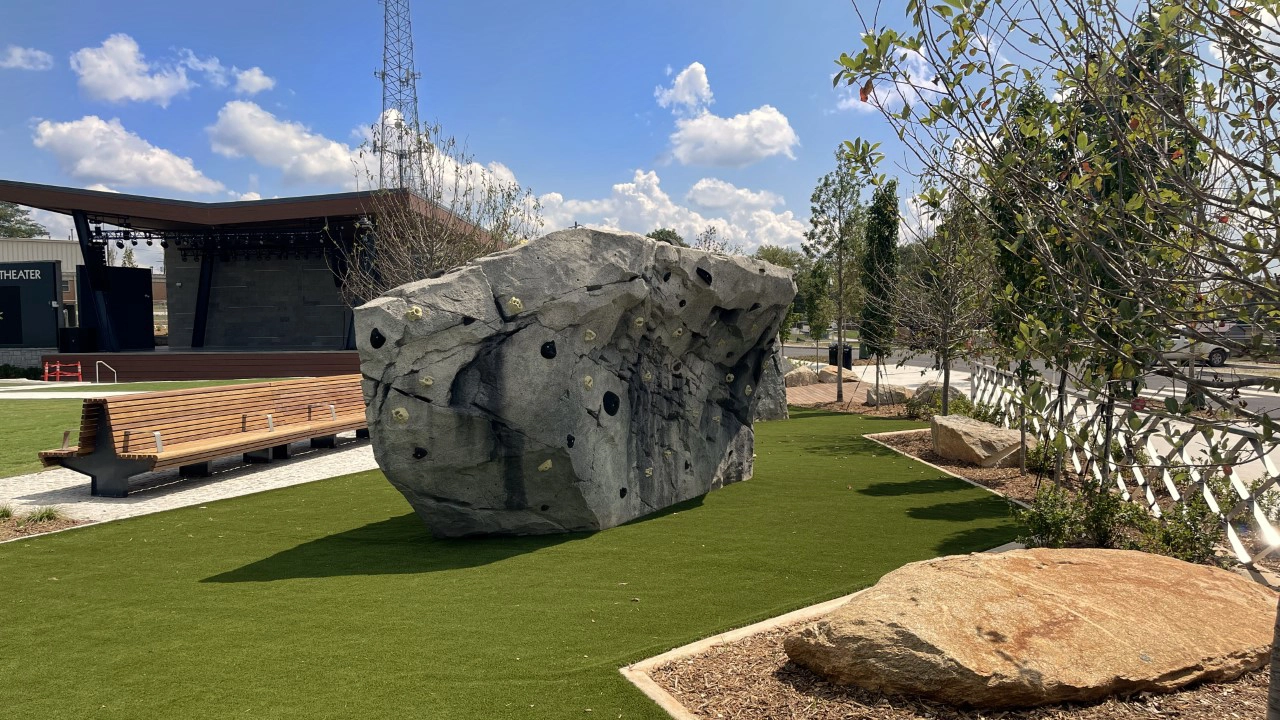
(42,250)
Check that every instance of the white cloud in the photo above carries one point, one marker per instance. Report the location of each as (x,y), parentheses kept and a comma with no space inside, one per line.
(211,67)
(689,92)
(714,193)
(251,195)
(59,226)
(741,217)
(253,81)
(102,151)
(244,129)
(21,58)
(116,71)
(100,188)
(733,142)
(703,138)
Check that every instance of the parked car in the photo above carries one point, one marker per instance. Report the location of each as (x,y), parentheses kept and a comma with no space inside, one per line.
(1191,349)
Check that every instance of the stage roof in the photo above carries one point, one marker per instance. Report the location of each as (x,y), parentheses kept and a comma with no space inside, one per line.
(164,214)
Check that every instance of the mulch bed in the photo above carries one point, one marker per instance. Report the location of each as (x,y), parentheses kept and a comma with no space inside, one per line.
(10,529)
(1010,482)
(752,679)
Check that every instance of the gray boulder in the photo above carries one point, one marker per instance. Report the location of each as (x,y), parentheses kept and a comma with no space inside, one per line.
(771,403)
(573,383)
(889,394)
(800,377)
(930,391)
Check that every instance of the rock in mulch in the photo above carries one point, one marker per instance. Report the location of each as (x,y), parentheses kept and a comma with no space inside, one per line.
(800,377)
(889,395)
(929,391)
(957,437)
(1034,627)
(828,375)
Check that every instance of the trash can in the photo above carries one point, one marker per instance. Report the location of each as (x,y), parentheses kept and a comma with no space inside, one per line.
(832,350)
(864,351)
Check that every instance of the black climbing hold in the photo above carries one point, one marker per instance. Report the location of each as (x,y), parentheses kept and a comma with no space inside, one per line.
(419,453)
(755,306)
(677,367)
(761,271)
(546,508)
(687,466)
(467,319)
(622,493)
(569,442)
(593,288)
(728,355)
(666,276)
(377,339)
(611,403)
(683,303)
(549,349)
(706,276)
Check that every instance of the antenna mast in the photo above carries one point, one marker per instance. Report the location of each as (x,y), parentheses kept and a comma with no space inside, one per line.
(398,142)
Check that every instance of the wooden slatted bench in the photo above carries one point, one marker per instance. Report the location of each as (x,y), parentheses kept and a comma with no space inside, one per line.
(125,435)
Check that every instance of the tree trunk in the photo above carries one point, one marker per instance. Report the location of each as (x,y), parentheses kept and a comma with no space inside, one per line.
(1022,417)
(946,385)
(840,333)
(1059,466)
(878,360)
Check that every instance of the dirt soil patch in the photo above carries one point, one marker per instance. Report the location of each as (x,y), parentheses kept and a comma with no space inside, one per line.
(10,527)
(752,679)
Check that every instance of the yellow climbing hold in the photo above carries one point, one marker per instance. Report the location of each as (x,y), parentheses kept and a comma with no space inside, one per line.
(679,332)
(749,391)
(728,377)
(400,414)
(515,304)
(648,472)
(639,322)
(587,382)
(413,313)
(589,335)
(545,466)
(427,381)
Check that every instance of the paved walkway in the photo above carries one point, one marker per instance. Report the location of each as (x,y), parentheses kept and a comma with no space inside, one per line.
(155,492)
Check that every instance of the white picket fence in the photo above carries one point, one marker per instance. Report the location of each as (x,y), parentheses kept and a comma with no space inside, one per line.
(1180,456)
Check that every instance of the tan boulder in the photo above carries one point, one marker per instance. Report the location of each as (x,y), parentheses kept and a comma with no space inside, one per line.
(889,395)
(828,374)
(1034,627)
(927,393)
(957,437)
(800,377)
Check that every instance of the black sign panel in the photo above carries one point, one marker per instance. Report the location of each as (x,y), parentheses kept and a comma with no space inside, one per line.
(10,316)
(30,304)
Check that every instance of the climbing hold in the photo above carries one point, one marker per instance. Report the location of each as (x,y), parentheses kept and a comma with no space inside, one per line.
(679,331)
(515,304)
(587,382)
(639,322)
(648,472)
(545,466)
(728,377)
(413,313)
(426,381)
(400,414)
(748,391)
(589,335)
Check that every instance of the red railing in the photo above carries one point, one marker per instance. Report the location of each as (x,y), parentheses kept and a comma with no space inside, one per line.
(56,372)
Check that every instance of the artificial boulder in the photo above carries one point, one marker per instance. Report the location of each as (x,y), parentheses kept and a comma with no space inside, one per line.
(889,395)
(957,437)
(771,400)
(929,394)
(572,383)
(800,377)
(1034,627)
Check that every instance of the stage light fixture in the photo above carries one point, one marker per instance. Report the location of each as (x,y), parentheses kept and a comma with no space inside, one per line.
(120,244)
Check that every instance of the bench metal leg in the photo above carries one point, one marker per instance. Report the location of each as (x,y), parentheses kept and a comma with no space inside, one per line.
(258,456)
(325,441)
(202,469)
(363,433)
(109,475)
(280,452)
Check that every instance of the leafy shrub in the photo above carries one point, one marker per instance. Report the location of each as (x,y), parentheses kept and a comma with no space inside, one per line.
(987,413)
(13,372)
(960,405)
(1052,520)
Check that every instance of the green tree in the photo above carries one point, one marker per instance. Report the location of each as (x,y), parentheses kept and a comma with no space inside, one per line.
(879,275)
(814,290)
(837,222)
(128,260)
(16,222)
(796,262)
(667,235)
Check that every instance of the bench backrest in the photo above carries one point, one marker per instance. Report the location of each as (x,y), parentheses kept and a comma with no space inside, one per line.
(183,416)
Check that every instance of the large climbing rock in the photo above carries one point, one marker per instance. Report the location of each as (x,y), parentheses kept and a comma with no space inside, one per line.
(771,401)
(1032,627)
(573,383)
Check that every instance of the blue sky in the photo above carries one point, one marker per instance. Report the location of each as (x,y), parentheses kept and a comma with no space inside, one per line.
(627,114)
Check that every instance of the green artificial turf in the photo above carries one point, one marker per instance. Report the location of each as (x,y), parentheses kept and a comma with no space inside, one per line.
(29,426)
(330,600)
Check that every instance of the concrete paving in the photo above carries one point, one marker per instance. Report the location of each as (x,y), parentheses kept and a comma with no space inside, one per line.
(155,492)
